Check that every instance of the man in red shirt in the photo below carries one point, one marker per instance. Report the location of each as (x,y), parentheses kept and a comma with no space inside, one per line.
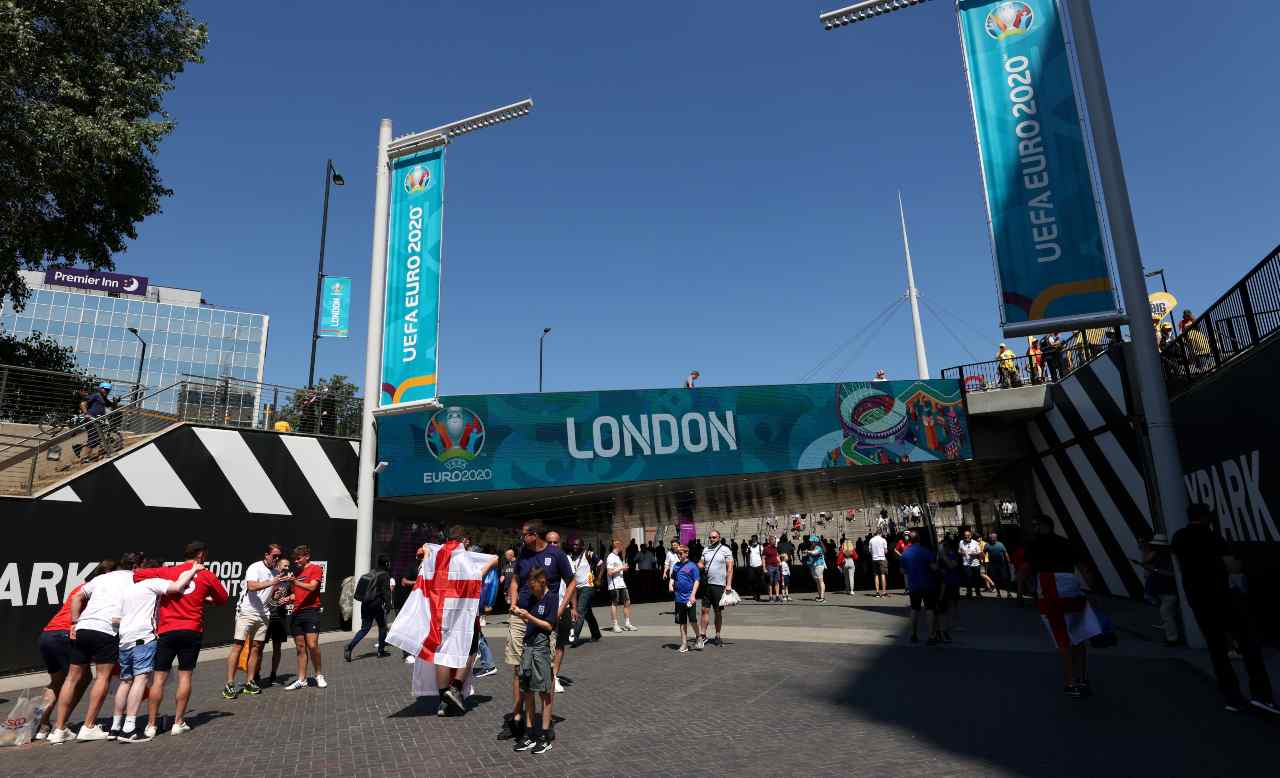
(304,624)
(899,549)
(180,632)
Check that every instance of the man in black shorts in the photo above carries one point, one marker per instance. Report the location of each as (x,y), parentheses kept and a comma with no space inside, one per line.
(180,632)
(95,611)
(717,577)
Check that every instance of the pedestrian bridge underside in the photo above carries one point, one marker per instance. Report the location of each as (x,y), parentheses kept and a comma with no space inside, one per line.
(655,458)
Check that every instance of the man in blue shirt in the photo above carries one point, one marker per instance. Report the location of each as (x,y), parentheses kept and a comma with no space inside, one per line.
(919,568)
(536,554)
(684,585)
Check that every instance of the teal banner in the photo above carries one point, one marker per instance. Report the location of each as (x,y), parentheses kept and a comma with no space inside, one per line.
(1045,227)
(335,307)
(524,441)
(411,309)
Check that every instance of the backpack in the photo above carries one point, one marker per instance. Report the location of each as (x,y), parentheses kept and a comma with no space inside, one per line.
(365,586)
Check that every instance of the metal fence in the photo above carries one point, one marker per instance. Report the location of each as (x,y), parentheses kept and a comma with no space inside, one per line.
(1242,318)
(231,402)
(36,454)
(1047,367)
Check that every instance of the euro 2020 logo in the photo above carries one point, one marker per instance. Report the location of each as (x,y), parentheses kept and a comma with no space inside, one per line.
(455,436)
(1009,19)
(418,179)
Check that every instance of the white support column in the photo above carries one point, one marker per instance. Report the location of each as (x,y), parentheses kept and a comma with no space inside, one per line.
(1165,489)
(922,362)
(372,362)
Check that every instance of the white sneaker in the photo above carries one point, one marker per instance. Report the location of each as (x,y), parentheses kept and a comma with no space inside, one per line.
(559,688)
(60,736)
(179,727)
(701,644)
(321,682)
(89,734)
(301,683)
(42,733)
(616,628)
(150,730)
(410,659)
(571,641)
(629,627)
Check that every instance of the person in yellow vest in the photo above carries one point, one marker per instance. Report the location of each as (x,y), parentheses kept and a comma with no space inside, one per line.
(1008,367)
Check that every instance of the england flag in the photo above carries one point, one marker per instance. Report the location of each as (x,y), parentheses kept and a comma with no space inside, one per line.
(438,619)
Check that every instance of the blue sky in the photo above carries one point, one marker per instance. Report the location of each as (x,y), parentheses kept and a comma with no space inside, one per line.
(706,185)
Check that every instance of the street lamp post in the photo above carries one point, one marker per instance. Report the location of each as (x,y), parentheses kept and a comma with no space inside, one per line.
(1152,413)
(331,176)
(142,359)
(390,148)
(545,332)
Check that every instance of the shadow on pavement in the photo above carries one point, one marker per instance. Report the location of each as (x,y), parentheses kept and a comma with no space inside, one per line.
(1004,712)
(426,706)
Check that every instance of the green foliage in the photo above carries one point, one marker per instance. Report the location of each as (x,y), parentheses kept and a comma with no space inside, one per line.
(309,410)
(38,351)
(81,117)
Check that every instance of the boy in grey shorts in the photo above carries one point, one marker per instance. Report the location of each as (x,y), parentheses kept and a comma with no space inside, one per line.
(537,609)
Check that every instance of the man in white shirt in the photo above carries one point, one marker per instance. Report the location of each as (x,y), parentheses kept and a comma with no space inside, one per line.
(581,563)
(252,618)
(717,572)
(95,614)
(755,564)
(618,588)
(971,559)
(879,548)
(138,648)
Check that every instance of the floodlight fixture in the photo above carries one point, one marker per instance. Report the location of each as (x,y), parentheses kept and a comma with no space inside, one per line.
(439,136)
(862,11)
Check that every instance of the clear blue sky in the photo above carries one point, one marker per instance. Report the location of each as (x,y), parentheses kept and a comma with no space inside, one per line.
(701,185)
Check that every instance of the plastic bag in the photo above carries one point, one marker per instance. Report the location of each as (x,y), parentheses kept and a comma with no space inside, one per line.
(20,726)
(729,599)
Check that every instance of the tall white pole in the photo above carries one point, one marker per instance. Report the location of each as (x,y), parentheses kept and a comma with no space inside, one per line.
(373,361)
(922,362)
(1165,489)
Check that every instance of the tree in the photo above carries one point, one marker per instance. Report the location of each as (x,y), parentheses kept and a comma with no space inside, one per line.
(331,408)
(37,350)
(81,117)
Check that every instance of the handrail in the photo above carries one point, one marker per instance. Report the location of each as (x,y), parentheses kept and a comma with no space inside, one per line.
(35,444)
(1022,370)
(1244,316)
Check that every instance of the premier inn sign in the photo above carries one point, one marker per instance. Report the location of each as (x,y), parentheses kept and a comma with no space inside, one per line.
(118,283)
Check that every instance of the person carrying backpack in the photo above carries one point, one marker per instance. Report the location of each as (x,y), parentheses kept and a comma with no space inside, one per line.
(373,592)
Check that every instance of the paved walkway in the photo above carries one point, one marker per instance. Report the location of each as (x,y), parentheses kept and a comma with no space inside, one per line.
(797,689)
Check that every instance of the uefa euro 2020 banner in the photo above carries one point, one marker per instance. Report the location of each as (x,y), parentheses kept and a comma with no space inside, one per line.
(411,309)
(335,307)
(1045,226)
(524,441)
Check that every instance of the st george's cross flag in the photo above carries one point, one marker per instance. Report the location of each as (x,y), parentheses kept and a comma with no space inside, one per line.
(438,619)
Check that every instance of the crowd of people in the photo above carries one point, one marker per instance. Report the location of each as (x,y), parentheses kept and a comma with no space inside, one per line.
(135,617)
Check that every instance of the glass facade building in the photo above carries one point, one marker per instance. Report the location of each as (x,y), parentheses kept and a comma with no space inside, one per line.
(184,336)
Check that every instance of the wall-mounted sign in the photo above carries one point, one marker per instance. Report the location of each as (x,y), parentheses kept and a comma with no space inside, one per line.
(101,282)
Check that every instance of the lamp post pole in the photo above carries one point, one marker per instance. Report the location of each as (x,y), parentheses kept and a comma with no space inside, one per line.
(545,331)
(388,149)
(331,176)
(142,359)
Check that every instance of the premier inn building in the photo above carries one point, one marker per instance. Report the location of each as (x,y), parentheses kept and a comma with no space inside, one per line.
(92,312)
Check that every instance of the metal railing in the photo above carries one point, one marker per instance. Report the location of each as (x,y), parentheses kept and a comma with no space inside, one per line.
(231,402)
(43,402)
(1246,315)
(1046,367)
(45,456)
